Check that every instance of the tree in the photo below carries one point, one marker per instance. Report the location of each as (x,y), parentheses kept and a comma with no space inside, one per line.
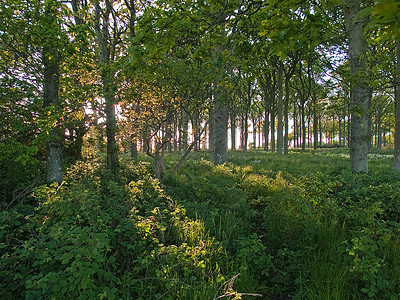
(108,30)
(51,57)
(360,90)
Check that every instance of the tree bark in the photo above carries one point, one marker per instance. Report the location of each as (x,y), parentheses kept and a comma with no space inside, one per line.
(185,130)
(220,126)
(107,78)
(396,164)
(303,125)
(273,123)
(286,114)
(233,129)
(279,139)
(360,91)
(266,125)
(315,122)
(51,76)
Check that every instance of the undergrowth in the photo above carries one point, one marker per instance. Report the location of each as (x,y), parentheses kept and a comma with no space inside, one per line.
(315,229)
(100,237)
(300,226)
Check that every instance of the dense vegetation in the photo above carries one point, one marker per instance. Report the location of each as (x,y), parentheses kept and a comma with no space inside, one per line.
(175,84)
(302,226)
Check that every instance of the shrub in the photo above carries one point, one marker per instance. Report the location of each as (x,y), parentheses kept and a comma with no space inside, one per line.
(94,237)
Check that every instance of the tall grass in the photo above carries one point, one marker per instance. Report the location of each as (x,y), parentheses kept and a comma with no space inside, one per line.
(323,232)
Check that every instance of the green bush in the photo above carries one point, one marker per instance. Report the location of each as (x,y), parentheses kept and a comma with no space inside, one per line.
(94,237)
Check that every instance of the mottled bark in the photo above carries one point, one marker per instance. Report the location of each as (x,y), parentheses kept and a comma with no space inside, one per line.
(51,76)
(396,164)
(220,128)
(360,91)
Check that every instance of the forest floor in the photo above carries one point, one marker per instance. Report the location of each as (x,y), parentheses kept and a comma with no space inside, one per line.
(298,226)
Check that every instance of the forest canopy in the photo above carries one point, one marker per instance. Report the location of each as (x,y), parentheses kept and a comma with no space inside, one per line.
(162,75)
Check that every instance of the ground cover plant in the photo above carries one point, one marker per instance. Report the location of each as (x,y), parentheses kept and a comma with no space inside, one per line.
(97,236)
(327,232)
(302,226)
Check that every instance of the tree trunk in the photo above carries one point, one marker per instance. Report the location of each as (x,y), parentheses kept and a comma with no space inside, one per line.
(273,125)
(396,164)
(254,133)
(360,91)
(303,126)
(294,126)
(286,114)
(195,129)
(134,151)
(107,76)
(315,122)
(379,133)
(220,126)
(279,138)
(112,151)
(245,130)
(185,130)
(266,124)
(175,135)
(233,130)
(51,76)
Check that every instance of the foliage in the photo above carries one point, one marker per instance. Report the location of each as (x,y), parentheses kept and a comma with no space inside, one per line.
(95,236)
(318,230)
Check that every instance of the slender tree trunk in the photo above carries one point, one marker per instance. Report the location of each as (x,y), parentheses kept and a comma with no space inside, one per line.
(379,133)
(266,124)
(254,133)
(294,126)
(396,164)
(273,126)
(196,130)
(185,130)
(51,61)
(175,135)
(245,130)
(286,114)
(211,133)
(320,130)
(303,126)
(233,130)
(315,122)
(107,77)
(360,91)
(279,139)
(308,130)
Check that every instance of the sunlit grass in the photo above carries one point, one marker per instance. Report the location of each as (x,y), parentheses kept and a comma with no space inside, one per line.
(300,206)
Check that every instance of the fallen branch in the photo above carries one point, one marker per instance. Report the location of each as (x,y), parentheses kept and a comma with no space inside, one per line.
(229,290)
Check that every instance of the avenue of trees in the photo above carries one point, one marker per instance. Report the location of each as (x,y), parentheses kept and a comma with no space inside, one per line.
(157,76)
